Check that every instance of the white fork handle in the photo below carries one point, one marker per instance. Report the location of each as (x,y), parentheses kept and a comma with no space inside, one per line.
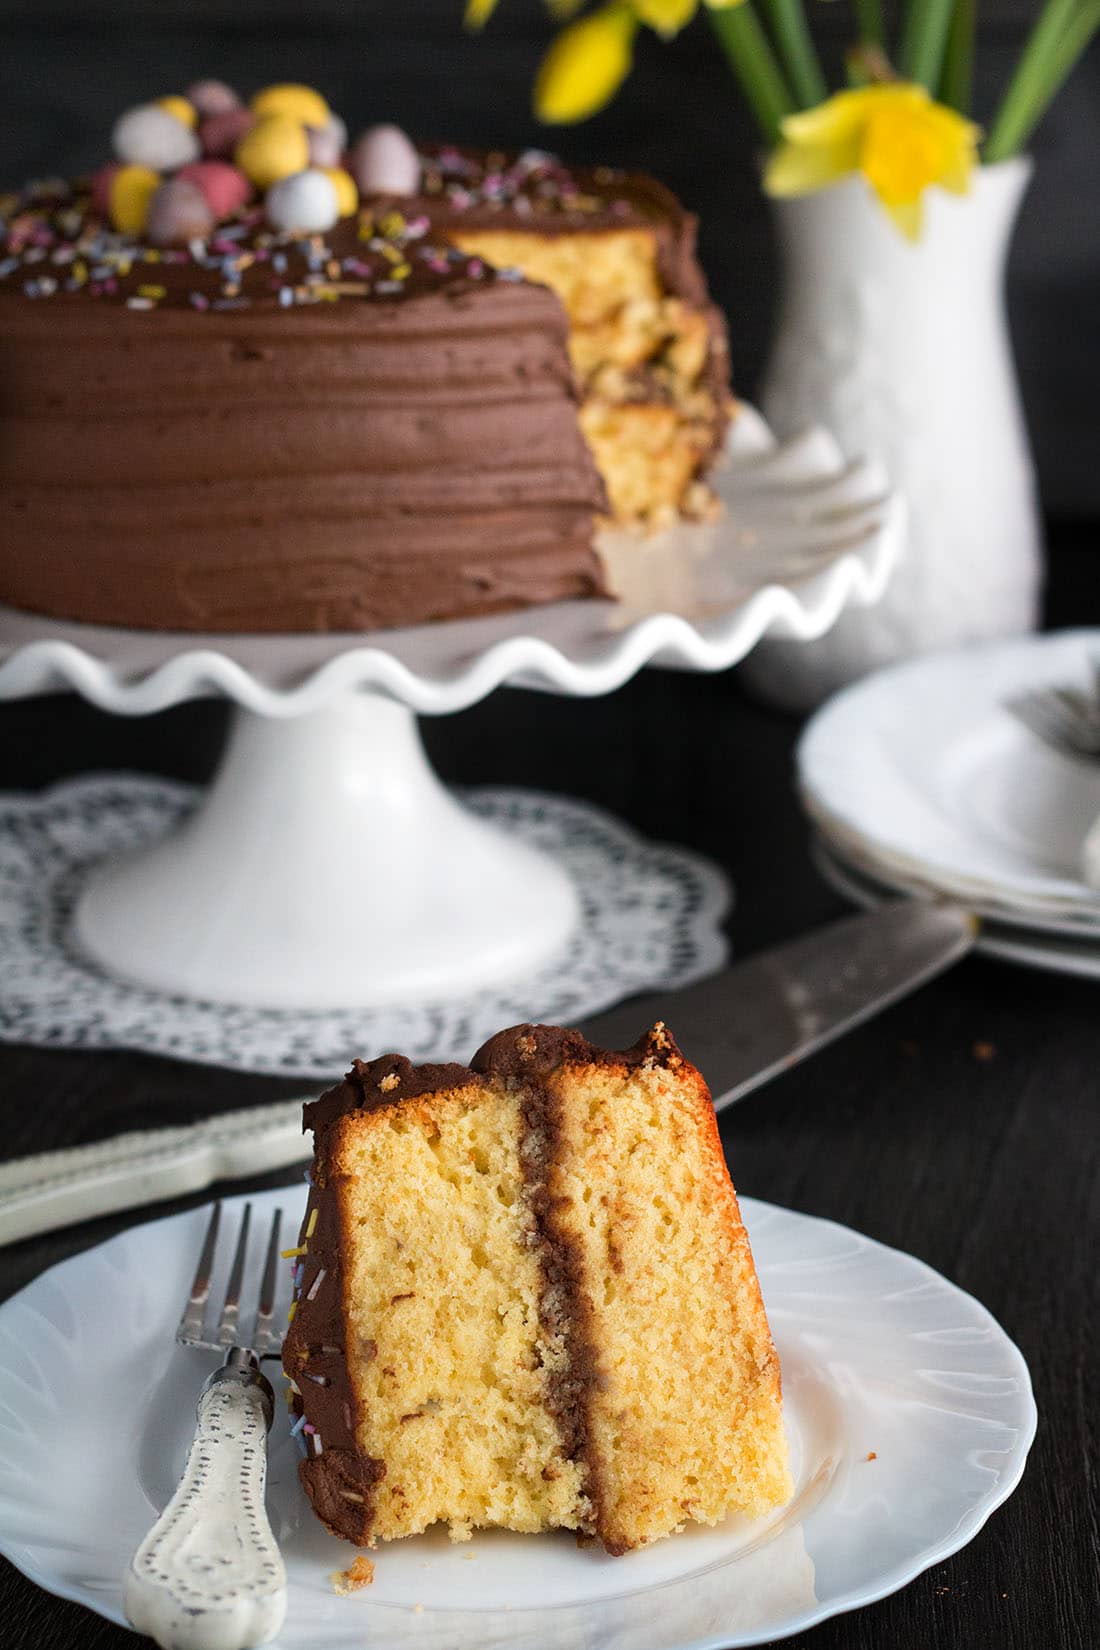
(208,1576)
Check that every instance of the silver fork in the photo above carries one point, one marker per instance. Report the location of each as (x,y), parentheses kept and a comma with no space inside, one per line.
(209,1576)
(1066,718)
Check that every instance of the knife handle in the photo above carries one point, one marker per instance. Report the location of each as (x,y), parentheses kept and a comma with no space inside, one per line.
(59,1188)
(209,1576)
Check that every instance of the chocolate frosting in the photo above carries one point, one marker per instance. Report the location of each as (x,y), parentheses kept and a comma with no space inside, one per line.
(277,433)
(334,465)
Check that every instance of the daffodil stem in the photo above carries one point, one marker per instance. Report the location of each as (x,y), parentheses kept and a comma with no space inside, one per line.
(869,22)
(923,41)
(753,62)
(958,57)
(796,50)
(1058,39)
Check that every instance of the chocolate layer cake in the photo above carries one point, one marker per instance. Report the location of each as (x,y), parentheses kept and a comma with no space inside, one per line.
(253,381)
(331,433)
(525,1298)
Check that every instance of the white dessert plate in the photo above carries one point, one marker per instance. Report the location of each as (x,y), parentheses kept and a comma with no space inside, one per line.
(909,1412)
(1037,944)
(920,776)
(804,533)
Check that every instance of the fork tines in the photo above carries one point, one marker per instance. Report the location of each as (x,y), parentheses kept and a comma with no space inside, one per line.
(195,1329)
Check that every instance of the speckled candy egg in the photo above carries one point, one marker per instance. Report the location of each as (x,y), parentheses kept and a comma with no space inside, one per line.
(224,187)
(275,148)
(299,103)
(154,137)
(220,134)
(178,213)
(212,97)
(347,196)
(183,109)
(327,143)
(384,162)
(307,202)
(122,195)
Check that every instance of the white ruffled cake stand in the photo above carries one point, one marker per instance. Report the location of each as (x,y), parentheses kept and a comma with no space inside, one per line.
(327,865)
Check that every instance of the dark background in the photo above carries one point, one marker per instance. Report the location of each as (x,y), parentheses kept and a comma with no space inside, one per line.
(69,67)
(961,1126)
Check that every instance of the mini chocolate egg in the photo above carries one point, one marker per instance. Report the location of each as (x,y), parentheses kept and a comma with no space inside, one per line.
(211,97)
(384,162)
(307,202)
(130,190)
(347,196)
(276,147)
(224,187)
(151,136)
(299,103)
(181,107)
(178,213)
(327,143)
(220,134)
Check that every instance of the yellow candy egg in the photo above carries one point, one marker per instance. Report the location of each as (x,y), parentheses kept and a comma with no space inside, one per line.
(347,196)
(298,102)
(131,190)
(275,148)
(179,107)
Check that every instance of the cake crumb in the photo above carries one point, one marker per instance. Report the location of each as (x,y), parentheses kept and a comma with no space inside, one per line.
(418,1609)
(389,1083)
(872,1455)
(359,1575)
(984,1051)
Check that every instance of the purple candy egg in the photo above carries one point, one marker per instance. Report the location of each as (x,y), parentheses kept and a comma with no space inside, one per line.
(101,189)
(220,134)
(178,213)
(327,143)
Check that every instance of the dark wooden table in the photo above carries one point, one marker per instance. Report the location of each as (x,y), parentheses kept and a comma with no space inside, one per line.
(963,1126)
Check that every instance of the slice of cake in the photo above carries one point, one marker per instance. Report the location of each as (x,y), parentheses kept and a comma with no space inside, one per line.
(525,1298)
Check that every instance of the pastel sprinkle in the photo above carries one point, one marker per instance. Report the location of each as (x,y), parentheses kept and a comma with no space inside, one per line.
(311,1224)
(298,1426)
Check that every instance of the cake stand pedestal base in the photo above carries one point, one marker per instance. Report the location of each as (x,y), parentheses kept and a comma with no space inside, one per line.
(327,866)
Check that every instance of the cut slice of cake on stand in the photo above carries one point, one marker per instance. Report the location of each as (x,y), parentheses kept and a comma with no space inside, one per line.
(525,1298)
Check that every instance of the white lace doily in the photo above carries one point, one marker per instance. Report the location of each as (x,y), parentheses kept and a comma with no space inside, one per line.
(651,918)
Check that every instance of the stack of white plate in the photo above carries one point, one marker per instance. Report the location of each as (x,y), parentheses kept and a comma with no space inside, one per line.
(918,780)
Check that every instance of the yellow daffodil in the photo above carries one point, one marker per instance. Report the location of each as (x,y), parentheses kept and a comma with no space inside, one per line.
(668,17)
(589,60)
(586,65)
(895,135)
(478,13)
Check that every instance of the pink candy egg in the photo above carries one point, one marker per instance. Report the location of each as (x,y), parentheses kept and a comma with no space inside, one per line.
(220,134)
(384,162)
(178,213)
(212,97)
(224,188)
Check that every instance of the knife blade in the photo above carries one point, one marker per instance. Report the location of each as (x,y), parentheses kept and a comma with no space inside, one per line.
(755,1019)
(741,1027)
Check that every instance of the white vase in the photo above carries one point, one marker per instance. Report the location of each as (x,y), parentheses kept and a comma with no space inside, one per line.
(901,349)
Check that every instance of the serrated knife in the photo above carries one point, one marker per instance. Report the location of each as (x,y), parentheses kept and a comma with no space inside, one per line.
(741,1027)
